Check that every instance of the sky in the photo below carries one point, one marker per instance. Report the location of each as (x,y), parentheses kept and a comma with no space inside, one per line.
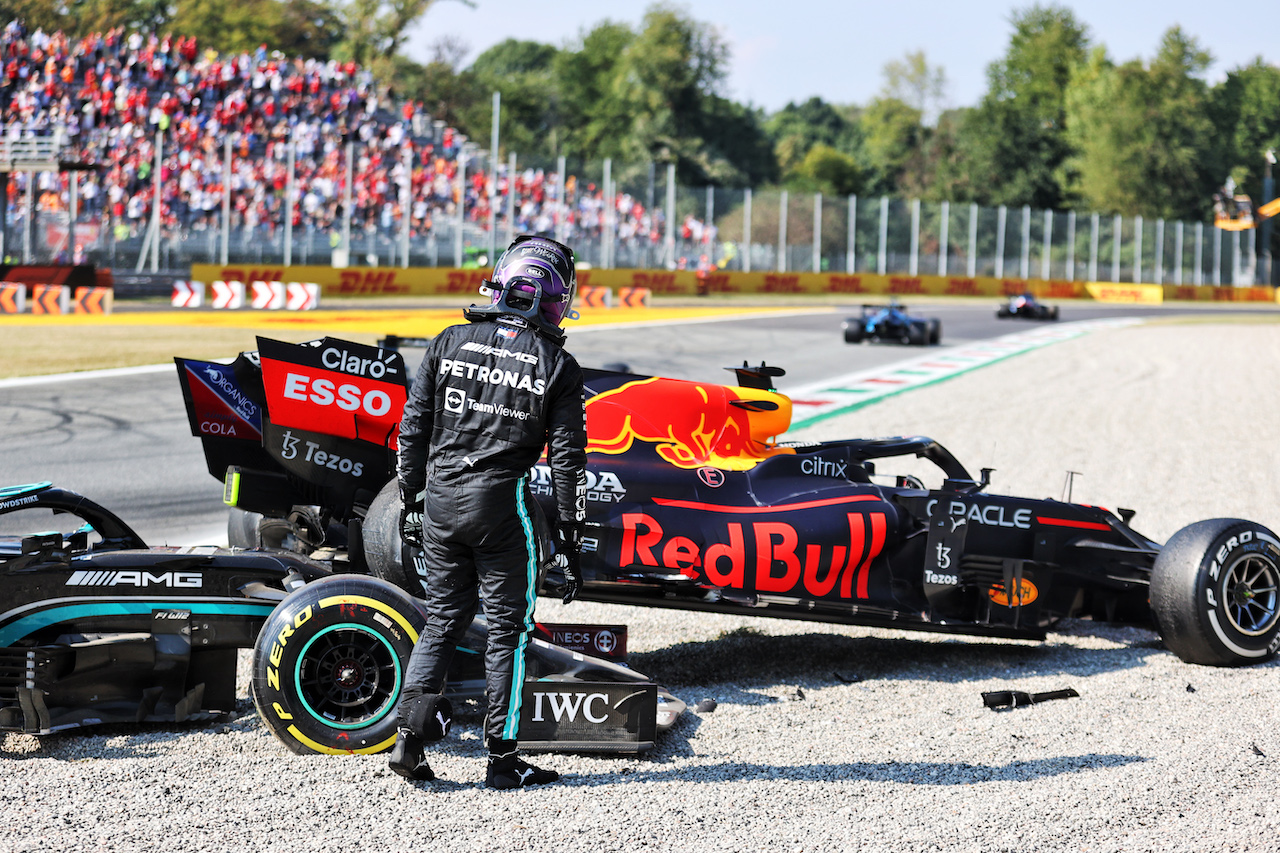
(790,51)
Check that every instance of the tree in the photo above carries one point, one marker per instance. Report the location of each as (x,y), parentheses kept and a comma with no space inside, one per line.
(828,171)
(912,81)
(522,72)
(294,27)
(1143,134)
(797,128)
(377,29)
(584,77)
(1247,120)
(892,135)
(1012,146)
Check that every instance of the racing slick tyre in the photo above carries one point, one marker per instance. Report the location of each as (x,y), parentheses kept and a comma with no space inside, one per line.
(329,665)
(1053,313)
(935,332)
(242,529)
(1214,592)
(852,332)
(917,335)
(1002,313)
(383,550)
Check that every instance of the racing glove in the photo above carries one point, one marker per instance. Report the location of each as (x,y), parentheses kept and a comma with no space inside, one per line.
(568,557)
(412,508)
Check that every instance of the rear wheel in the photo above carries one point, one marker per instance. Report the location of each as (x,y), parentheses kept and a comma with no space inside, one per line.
(329,665)
(1215,592)
(383,549)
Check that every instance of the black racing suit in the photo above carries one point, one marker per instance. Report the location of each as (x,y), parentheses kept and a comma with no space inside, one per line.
(488,397)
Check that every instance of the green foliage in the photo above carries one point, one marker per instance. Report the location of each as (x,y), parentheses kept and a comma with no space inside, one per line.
(1012,145)
(892,134)
(1246,111)
(295,27)
(913,81)
(797,128)
(828,171)
(1145,142)
(523,71)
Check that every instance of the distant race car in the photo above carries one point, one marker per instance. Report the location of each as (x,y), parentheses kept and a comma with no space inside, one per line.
(694,502)
(1026,306)
(892,323)
(96,627)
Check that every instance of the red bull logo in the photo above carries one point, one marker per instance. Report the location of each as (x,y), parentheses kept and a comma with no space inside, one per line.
(766,554)
(693,424)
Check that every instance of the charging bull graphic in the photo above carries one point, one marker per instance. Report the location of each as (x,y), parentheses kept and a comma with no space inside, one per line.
(692,424)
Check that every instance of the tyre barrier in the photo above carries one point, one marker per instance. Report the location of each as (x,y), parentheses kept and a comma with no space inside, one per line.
(228,295)
(262,295)
(595,297)
(634,297)
(188,294)
(13,298)
(93,300)
(50,299)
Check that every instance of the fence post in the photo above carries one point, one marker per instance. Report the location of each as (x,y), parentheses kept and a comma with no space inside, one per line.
(1235,258)
(493,175)
(1046,259)
(944,238)
(1137,249)
(606,215)
(1116,227)
(971,263)
(1094,227)
(851,241)
(913,263)
(1159,251)
(707,223)
(1177,251)
(1002,218)
(671,216)
(882,254)
(1024,249)
(782,233)
(563,214)
(511,200)
(346,205)
(1217,257)
(746,230)
(290,187)
(817,232)
(1197,277)
(226,197)
(1071,245)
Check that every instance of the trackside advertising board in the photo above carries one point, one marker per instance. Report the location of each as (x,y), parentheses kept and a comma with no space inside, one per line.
(586,716)
(442,281)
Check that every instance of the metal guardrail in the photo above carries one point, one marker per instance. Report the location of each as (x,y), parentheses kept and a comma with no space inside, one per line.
(30,153)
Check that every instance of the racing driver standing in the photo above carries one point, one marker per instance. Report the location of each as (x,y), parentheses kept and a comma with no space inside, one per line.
(490,394)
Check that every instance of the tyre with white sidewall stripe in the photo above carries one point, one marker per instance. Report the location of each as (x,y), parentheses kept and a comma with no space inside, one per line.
(1214,592)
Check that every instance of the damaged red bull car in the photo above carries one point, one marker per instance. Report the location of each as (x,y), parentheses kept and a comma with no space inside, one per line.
(696,501)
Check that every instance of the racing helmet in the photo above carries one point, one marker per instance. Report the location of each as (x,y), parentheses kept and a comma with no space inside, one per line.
(535,279)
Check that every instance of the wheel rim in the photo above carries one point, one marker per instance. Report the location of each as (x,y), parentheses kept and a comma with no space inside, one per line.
(1249,595)
(348,677)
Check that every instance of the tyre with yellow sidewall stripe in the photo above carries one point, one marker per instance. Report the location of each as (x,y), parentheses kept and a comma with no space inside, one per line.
(329,665)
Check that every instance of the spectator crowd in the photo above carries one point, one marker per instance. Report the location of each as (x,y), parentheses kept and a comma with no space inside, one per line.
(107,95)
